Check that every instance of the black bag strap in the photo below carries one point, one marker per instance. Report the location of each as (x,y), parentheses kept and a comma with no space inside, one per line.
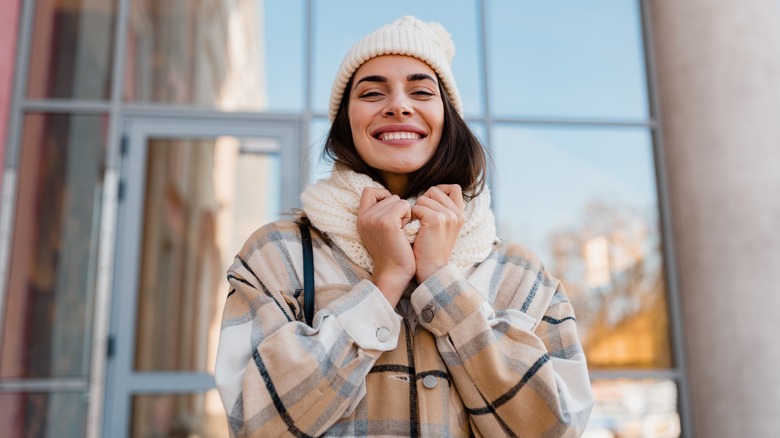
(308,273)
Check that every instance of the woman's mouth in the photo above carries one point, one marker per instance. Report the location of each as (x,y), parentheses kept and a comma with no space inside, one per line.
(398,135)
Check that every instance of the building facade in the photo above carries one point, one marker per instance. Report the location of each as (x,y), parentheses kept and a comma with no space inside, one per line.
(632,147)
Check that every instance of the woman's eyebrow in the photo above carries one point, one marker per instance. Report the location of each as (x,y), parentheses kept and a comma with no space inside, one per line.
(420,77)
(372,78)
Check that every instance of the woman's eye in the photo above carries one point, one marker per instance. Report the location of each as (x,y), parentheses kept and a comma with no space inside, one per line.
(423,93)
(369,94)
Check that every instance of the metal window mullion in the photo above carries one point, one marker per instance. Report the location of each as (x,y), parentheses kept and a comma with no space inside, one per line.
(636,374)
(66,106)
(490,120)
(305,127)
(181,112)
(308,73)
(568,121)
(20,83)
(7,210)
(109,205)
(43,385)
(672,291)
(487,118)
(13,150)
(170,382)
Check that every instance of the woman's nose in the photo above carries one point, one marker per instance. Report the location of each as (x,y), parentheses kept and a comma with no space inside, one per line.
(399,105)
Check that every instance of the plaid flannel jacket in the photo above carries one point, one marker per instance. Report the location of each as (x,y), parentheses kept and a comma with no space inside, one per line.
(491,353)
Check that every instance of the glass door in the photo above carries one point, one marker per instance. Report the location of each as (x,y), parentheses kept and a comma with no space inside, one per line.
(192,191)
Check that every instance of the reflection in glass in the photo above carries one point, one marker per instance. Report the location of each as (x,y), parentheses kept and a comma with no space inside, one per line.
(634,409)
(203,199)
(48,319)
(61,415)
(585,201)
(478,128)
(225,54)
(285,54)
(71,51)
(186,415)
(336,31)
(319,167)
(566,59)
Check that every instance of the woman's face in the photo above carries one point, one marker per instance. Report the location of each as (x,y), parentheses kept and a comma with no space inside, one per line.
(396,114)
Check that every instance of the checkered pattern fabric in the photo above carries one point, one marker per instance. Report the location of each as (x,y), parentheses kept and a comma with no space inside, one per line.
(490,352)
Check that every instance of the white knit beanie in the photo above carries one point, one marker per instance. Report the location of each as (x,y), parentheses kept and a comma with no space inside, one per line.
(428,42)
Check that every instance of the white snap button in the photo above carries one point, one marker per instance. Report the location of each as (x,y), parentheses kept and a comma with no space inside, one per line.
(383,334)
(430,381)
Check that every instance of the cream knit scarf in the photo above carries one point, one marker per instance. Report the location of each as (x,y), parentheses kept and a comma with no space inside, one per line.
(332,205)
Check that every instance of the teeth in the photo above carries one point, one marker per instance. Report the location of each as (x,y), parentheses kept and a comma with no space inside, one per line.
(399,136)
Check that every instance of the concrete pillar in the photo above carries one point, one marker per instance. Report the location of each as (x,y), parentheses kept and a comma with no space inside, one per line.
(718,78)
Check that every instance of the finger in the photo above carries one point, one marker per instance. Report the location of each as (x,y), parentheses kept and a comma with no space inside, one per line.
(392,212)
(395,207)
(437,195)
(454,192)
(392,205)
(434,214)
(371,196)
(436,201)
(436,204)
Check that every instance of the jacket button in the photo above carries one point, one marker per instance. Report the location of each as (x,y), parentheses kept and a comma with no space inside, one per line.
(427,315)
(430,381)
(383,334)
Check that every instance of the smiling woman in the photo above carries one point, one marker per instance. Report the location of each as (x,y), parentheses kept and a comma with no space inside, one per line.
(424,323)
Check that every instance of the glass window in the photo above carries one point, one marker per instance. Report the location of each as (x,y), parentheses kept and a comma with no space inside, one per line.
(634,408)
(204,197)
(584,199)
(48,312)
(586,62)
(478,128)
(61,414)
(338,24)
(285,54)
(319,167)
(179,415)
(71,51)
(228,54)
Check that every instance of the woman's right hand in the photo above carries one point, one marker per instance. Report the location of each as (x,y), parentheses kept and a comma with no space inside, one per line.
(380,219)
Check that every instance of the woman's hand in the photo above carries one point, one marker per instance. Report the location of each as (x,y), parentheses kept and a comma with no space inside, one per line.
(381,215)
(440,211)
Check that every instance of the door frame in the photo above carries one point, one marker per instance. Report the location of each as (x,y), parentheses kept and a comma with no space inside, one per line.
(122,382)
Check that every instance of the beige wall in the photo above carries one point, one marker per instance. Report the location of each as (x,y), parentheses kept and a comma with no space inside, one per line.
(718,74)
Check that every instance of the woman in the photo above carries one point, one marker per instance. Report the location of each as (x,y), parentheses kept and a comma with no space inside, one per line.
(426,324)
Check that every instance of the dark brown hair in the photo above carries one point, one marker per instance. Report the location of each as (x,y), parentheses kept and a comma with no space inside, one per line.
(459,159)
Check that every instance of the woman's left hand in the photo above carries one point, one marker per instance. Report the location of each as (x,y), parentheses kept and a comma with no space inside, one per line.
(440,211)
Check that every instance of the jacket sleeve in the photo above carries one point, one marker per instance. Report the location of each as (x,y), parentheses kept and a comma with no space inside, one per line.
(517,375)
(276,375)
